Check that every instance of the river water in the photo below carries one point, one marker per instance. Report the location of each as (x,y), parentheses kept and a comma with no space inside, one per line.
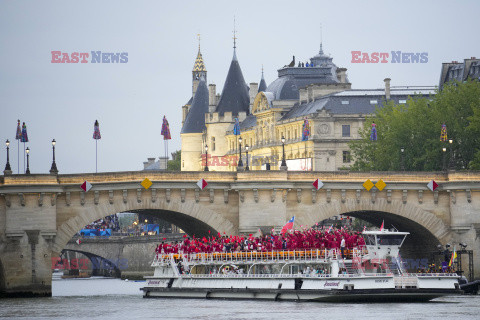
(100,298)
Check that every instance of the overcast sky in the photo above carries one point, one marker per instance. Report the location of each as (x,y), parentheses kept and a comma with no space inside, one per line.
(62,101)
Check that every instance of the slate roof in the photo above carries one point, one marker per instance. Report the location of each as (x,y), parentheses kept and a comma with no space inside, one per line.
(291,79)
(195,120)
(263,85)
(354,101)
(470,68)
(235,97)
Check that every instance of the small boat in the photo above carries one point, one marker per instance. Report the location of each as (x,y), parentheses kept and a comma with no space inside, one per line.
(374,273)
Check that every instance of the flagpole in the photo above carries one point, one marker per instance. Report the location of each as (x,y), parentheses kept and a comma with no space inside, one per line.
(24,157)
(96,156)
(18,156)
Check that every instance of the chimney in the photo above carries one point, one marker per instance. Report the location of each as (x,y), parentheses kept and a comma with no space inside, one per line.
(253,92)
(387,88)
(212,100)
(342,75)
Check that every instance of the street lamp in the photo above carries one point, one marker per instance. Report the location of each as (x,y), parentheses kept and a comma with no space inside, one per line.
(8,169)
(444,163)
(146,227)
(451,164)
(28,160)
(246,148)
(53,169)
(402,149)
(240,163)
(284,163)
(206,158)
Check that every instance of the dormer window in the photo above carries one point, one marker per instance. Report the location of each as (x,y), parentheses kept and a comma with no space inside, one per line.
(373,101)
(402,101)
(345,102)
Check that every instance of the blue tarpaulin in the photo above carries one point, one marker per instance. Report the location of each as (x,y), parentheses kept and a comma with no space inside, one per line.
(96,232)
(151,228)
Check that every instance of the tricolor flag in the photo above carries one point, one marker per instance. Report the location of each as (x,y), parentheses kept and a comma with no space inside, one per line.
(24,133)
(381,227)
(452,259)
(96,131)
(18,136)
(305,130)
(166,129)
(288,225)
(373,132)
(443,133)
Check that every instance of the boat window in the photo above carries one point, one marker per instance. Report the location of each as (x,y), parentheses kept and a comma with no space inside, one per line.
(370,240)
(391,239)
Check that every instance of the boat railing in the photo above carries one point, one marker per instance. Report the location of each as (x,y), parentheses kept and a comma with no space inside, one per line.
(245,275)
(255,256)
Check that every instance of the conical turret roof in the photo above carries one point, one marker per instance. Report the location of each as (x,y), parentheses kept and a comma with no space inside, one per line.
(199,64)
(263,85)
(195,120)
(235,96)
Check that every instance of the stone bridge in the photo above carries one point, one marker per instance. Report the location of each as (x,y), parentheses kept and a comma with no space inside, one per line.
(39,214)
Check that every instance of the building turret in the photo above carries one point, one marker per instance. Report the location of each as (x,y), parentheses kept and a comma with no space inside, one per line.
(199,71)
(235,97)
(263,85)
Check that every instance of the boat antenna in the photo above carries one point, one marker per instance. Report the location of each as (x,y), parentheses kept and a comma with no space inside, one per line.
(394,228)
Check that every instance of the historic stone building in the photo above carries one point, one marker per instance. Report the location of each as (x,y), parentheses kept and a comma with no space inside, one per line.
(317,90)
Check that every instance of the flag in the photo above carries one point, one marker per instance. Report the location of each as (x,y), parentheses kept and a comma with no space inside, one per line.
(364,228)
(381,227)
(24,133)
(166,129)
(330,229)
(96,131)
(236,127)
(305,130)
(288,225)
(454,256)
(18,136)
(202,183)
(443,133)
(373,132)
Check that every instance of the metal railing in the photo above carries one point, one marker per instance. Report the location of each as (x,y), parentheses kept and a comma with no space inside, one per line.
(254,256)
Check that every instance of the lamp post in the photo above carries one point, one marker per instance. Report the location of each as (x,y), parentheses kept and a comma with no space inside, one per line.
(206,158)
(444,163)
(240,163)
(402,167)
(8,169)
(451,163)
(53,169)
(283,166)
(146,227)
(28,160)
(246,148)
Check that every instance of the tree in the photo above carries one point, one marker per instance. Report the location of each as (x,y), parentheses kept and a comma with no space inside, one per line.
(416,125)
(175,163)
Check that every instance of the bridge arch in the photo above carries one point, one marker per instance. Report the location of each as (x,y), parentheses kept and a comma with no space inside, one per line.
(426,229)
(98,262)
(205,218)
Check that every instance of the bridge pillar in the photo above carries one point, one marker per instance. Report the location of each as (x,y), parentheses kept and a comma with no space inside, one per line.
(25,244)
(26,261)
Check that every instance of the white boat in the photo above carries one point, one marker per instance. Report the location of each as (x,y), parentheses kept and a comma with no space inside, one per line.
(374,273)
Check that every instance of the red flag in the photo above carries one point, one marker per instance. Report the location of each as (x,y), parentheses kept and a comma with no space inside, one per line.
(381,227)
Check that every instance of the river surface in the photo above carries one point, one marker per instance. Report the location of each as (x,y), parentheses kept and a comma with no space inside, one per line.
(100,298)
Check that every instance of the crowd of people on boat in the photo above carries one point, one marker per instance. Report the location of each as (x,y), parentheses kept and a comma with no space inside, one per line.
(321,238)
(444,268)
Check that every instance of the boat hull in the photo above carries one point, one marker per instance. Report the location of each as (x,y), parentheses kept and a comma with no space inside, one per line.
(365,295)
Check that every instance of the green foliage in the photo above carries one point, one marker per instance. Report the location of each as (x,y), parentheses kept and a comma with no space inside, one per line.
(415,126)
(175,164)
